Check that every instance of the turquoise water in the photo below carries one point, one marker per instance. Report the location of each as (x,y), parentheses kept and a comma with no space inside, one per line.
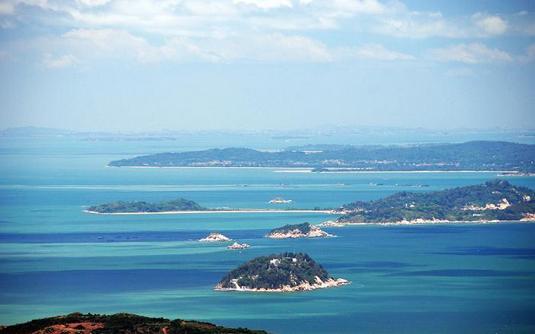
(421,279)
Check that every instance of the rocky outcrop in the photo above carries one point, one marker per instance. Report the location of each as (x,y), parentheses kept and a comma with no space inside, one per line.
(304,230)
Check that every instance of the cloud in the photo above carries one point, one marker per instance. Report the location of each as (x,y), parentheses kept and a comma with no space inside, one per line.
(472,53)
(93,3)
(59,62)
(491,25)
(120,44)
(358,6)
(378,52)
(403,23)
(6,8)
(254,30)
(265,4)
(528,29)
(529,55)
(276,48)
(406,24)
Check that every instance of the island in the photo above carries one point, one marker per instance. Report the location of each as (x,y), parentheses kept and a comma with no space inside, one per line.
(215,237)
(280,200)
(176,205)
(474,155)
(120,323)
(493,201)
(304,230)
(183,206)
(238,246)
(286,272)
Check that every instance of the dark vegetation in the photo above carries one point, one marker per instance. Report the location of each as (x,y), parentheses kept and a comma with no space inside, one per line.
(304,228)
(289,269)
(475,155)
(179,204)
(123,323)
(450,204)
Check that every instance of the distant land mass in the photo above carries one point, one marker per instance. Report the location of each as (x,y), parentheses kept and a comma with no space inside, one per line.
(182,205)
(474,155)
(284,272)
(121,323)
(179,204)
(496,200)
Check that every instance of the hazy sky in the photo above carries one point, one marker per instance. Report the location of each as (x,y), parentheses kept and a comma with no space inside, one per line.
(256,64)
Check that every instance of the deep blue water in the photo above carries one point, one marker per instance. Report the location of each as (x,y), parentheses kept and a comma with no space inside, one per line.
(406,279)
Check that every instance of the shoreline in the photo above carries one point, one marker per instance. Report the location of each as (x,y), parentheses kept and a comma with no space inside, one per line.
(309,169)
(314,232)
(335,224)
(212,211)
(330,283)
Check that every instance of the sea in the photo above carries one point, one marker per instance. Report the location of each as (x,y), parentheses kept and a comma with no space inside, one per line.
(56,259)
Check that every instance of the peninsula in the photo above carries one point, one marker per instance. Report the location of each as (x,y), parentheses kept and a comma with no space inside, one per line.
(475,155)
(121,323)
(304,230)
(286,272)
(496,200)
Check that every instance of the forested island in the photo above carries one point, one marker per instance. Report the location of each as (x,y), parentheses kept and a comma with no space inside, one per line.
(496,200)
(284,272)
(175,205)
(304,230)
(475,155)
(181,205)
(121,323)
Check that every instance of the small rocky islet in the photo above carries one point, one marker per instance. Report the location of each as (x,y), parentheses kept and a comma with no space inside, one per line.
(215,237)
(304,230)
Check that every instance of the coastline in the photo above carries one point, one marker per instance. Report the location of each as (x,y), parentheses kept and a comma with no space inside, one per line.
(334,224)
(333,170)
(212,211)
(315,232)
(330,283)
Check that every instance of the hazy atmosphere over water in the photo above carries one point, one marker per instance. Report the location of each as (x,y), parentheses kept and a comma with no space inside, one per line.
(256,64)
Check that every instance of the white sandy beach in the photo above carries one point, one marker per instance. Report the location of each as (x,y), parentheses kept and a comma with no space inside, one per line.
(331,223)
(330,171)
(334,171)
(213,211)
(305,286)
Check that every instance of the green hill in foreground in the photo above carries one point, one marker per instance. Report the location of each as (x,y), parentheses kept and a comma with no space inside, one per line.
(121,323)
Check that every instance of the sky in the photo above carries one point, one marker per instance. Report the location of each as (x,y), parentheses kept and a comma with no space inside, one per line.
(138,65)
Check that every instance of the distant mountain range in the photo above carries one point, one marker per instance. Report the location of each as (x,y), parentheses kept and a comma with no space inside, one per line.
(474,155)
